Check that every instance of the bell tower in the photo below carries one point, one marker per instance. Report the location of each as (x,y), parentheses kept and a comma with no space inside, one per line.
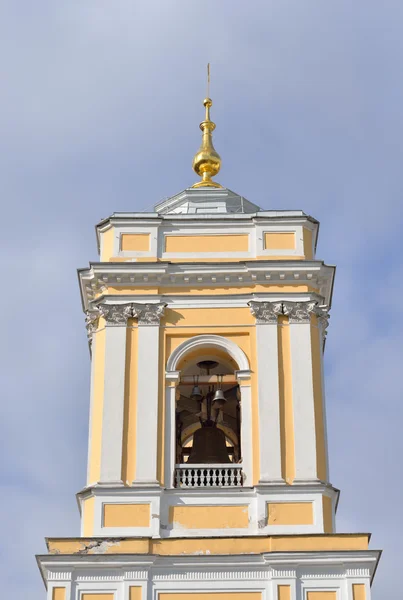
(207,455)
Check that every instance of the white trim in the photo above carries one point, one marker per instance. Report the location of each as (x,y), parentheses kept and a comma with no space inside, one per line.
(147,405)
(170,436)
(208,341)
(113,405)
(246,434)
(303,401)
(269,402)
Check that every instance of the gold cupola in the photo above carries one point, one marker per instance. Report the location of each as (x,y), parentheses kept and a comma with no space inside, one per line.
(207,161)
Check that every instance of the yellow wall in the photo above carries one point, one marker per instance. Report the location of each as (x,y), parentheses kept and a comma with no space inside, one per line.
(59,593)
(139,242)
(308,248)
(209,517)
(126,515)
(321,595)
(130,408)
(284,592)
(279,241)
(289,513)
(135,592)
(207,243)
(286,403)
(107,244)
(209,290)
(359,591)
(98,356)
(95,596)
(215,546)
(88,516)
(210,596)
(327,514)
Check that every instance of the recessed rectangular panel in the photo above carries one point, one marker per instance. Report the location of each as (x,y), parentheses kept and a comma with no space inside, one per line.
(284,592)
(321,595)
(359,591)
(135,242)
(279,240)
(135,592)
(95,596)
(289,513)
(211,596)
(59,593)
(207,243)
(126,515)
(209,517)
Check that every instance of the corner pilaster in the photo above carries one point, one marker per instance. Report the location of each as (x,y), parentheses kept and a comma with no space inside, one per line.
(266,314)
(116,316)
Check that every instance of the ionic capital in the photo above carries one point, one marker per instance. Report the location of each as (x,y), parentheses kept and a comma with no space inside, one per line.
(299,312)
(115,315)
(265,312)
(148,314)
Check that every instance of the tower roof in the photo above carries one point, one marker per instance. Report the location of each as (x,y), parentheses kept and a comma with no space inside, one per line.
(206,200)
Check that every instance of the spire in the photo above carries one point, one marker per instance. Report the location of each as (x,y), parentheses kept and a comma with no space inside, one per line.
(207,161)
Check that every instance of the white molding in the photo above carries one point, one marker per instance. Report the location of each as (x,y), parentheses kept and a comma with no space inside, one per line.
(246,434)
(269,402)
(147,405)
(170,435)
(113,404)
(303,401)
(208,341)
(198,275)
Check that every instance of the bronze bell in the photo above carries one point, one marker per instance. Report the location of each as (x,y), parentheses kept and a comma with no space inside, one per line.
(209,446)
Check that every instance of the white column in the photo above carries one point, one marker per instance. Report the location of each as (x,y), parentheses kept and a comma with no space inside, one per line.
(266,314)
(115,316)
(147,391)
(299,314)
(170,428)
(246,428)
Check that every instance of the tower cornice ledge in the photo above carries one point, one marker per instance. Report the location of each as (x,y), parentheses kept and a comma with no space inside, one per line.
(99,276)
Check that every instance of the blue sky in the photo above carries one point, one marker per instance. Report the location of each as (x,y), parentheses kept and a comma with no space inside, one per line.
(99,112)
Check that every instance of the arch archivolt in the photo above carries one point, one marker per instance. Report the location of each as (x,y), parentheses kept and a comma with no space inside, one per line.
(208,342)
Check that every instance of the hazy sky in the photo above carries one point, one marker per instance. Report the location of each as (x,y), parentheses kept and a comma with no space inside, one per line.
(99,112)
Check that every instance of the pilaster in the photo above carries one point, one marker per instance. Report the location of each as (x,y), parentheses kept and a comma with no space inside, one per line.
(148,316)
(266,314)
(299,315)
(116,316)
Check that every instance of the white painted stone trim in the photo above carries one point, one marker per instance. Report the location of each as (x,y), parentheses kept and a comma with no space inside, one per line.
(246,434)
(269,402)
(113,405)
(170,436)
(147,405)
(208,341)
(303,401)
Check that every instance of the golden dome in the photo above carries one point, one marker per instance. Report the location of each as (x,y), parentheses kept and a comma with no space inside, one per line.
(207,161)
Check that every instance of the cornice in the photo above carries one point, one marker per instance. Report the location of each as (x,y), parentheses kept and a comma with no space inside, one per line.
(99,276)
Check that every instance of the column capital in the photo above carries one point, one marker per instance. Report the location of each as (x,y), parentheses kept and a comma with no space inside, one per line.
(115,315)
(265,312)
(91,323)
(299,312)
(322,315)
(148,314)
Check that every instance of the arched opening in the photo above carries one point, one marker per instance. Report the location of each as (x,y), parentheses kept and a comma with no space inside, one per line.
(215,406)
(205,424)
